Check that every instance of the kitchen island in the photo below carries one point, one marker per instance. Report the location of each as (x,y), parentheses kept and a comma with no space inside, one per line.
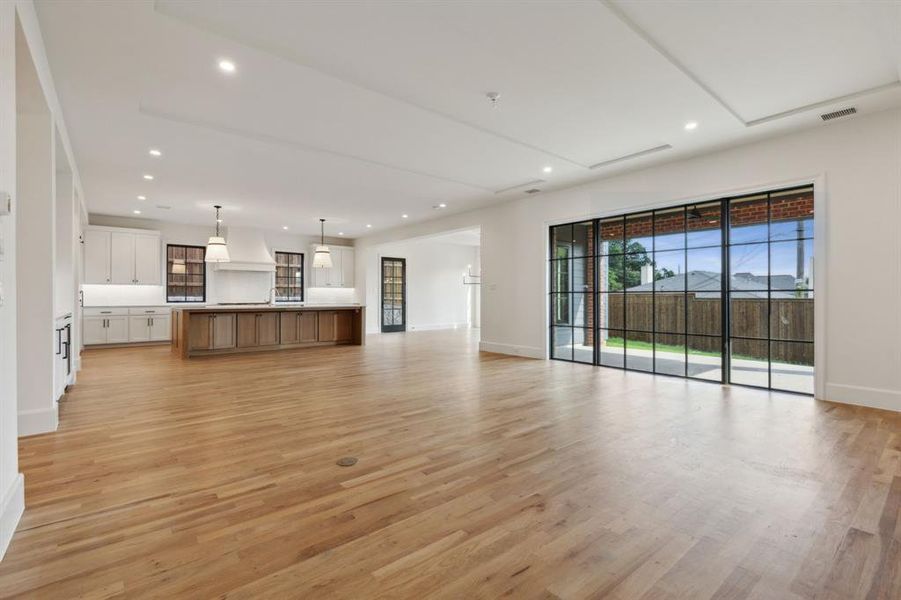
(228,329)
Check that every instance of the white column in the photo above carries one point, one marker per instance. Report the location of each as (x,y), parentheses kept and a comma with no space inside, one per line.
(12,499)
(35,207)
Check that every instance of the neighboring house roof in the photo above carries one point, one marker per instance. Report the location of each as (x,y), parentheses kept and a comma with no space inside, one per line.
(707,284)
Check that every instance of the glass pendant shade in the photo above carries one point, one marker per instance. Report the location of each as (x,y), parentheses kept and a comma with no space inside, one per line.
(178,266)
(216,250)
(322,258)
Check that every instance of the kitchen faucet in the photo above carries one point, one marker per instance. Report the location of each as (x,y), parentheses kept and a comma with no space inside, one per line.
(270,298)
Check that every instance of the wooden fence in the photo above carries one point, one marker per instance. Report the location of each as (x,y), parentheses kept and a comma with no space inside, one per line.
(789,319)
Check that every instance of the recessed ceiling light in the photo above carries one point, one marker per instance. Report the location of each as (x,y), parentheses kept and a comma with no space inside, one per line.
(548,169)
(148,177)
(226,66)
(368,225)
(155,152)
(142,197)
(691,126)
(137,212)
(404,216)
(340,233)
(443,205)
(284,227)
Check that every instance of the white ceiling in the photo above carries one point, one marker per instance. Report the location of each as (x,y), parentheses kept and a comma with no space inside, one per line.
(363,111)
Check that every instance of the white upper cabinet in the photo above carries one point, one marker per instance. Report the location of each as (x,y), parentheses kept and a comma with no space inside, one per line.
(122,256)
(147,259)
(341,274)
(96,256)
(347,267)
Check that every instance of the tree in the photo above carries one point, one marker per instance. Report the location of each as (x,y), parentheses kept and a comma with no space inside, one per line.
(624,270)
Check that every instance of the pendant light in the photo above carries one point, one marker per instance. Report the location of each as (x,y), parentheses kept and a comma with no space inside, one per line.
(178,266)
(216,250)
(322,257)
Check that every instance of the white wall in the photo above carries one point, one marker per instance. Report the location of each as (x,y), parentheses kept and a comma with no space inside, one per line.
(222,286)
(857,164)
(63,284)
(436,296)
(18,19)
(12,501)
(35,275)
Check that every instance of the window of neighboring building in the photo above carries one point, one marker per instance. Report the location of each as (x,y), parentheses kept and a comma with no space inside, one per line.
(185,273)
(288,277)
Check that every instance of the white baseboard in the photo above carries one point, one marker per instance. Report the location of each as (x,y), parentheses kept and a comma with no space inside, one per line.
(429,327)
(864,396)
(513,350)
(33,422)
(434,326)
(11,508)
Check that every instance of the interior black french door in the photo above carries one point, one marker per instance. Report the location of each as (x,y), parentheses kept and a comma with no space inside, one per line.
(719,290)
(394,294)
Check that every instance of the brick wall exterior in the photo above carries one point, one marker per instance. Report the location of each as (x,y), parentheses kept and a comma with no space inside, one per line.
(792,206)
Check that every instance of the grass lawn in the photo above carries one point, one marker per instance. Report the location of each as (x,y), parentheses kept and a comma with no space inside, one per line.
(617,342)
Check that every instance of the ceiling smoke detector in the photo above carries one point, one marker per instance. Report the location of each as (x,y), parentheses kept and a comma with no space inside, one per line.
(845,112)
(493,97)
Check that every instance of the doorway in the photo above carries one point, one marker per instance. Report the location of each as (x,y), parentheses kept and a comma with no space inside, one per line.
(394,294)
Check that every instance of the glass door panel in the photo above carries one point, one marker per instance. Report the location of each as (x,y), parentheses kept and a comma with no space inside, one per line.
(394,294)
(662,290)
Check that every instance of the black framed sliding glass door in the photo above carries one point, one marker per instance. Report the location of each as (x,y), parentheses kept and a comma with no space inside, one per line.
(719,290)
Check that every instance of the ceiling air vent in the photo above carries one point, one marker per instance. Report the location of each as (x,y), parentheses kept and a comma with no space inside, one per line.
(527,187)
(845,112)
(533,191)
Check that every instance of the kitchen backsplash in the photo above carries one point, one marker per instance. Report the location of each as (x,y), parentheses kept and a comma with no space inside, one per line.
(330,295)
(228,289)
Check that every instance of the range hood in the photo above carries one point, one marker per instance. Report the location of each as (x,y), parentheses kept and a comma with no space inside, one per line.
(248,251)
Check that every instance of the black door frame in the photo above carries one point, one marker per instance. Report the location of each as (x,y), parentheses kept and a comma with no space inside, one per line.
(403,292)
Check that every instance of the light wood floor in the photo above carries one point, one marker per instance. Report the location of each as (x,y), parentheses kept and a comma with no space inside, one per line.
(479,476)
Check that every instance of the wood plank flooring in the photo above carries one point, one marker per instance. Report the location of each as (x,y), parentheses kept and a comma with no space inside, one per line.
(479,476)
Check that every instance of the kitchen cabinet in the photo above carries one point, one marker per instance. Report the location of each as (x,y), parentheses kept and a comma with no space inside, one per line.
(122,324)
(148,328)
(122,256)
(160,328)
(96,256)
(299,327)
(341,274)
(147,260)
(212,331)
(205,331)
(111,329)
(62,365)
(347,267)
(335,326)
(258,329)
(344,326)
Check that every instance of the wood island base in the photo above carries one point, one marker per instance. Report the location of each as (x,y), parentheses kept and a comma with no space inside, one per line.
(211,330)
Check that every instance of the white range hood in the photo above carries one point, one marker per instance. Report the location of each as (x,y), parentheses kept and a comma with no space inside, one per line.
(248,251)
